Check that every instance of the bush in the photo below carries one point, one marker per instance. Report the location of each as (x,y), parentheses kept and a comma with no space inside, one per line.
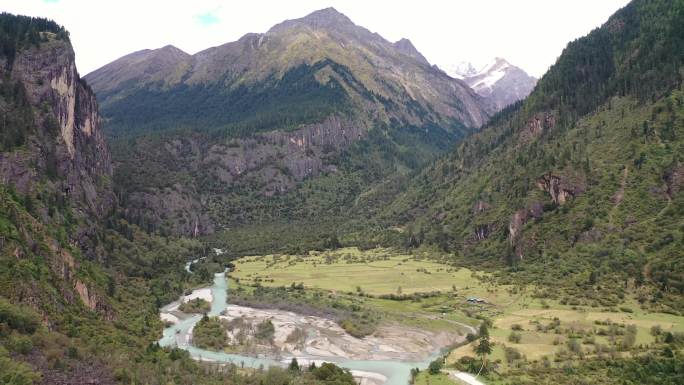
(333,374)
(21,344)
(514,337)
(15,373)
(512,354)
(209,333)
(19,318)
(436,366)
(197,305)
(265,331)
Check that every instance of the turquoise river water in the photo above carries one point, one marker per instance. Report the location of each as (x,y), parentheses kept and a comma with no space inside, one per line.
(397,373)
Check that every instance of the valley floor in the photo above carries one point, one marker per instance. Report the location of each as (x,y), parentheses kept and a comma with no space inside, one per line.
(301,297)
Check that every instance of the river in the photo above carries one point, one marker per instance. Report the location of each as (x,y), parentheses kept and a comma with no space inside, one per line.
(397,373)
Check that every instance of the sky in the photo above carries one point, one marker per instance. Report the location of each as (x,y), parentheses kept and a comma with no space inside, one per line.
(528,33)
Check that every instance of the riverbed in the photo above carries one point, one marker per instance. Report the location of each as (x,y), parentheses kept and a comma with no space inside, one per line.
(387,357)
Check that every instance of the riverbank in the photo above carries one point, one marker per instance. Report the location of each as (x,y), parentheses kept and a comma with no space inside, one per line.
(297,335)
(385,361)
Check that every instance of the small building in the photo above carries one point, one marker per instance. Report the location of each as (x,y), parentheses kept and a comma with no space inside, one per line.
(476,300)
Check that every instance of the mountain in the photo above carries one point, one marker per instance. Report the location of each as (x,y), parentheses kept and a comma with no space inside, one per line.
(228,135)
(55,191)
(79,286)
(53,147)
(583,178)
(499,82)
(325,42)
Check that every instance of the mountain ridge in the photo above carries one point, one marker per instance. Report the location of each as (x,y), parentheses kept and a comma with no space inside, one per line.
(316,74)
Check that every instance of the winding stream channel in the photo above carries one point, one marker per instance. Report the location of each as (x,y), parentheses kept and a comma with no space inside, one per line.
(179,334)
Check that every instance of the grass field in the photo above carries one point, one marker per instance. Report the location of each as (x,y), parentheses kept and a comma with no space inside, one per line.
(424,378)
(376,272)
(529,316)
(544,326)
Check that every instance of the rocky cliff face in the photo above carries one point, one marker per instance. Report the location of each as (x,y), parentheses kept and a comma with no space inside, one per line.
(271,163)
(59,167)
(67,143)
(559,188)
(64,158)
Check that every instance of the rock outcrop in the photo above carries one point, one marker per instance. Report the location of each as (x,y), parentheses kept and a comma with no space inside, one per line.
(517,222)
(62,163)
(561,189)
(538,124)
(271,163)
(674,180)
(76,156)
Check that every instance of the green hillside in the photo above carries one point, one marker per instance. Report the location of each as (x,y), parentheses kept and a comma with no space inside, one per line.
(580,182)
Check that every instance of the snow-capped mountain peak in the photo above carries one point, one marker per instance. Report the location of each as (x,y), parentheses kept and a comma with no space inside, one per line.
(485,79)
(499,82)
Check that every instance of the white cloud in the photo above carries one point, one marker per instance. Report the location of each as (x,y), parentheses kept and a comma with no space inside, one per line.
(529,33)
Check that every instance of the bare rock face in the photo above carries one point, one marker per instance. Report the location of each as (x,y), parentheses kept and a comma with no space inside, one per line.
(67,138)
(300,152)
(92,300)
(561,189)
(65,158)
(482,232)
(480,207)
(177,207)
(271,163)
(537,125)
(517,222)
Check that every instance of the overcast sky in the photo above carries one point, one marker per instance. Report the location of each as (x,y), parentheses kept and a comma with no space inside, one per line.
(528,33)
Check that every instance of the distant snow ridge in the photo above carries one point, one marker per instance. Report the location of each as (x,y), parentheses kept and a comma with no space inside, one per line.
(460,70)
(499,82)
(489,75)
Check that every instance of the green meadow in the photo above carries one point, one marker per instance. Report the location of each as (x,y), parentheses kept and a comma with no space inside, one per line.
(416,290)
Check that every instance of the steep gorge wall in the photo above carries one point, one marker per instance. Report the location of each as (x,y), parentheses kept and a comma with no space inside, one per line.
(67,136)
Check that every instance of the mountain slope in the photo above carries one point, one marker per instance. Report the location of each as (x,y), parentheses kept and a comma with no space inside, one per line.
(56,153)
(229,134)
(582,178)
(381,69)
(79,287)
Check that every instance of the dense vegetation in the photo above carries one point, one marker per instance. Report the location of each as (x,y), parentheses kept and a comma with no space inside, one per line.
(209,333)
(350,314)
(616,160)
(20,32)
(578,191)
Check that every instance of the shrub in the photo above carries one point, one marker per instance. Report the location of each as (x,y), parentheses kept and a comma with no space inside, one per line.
(18,318)
(21,344)
(514,337)
(265,331)
(512,354)
(435,366)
